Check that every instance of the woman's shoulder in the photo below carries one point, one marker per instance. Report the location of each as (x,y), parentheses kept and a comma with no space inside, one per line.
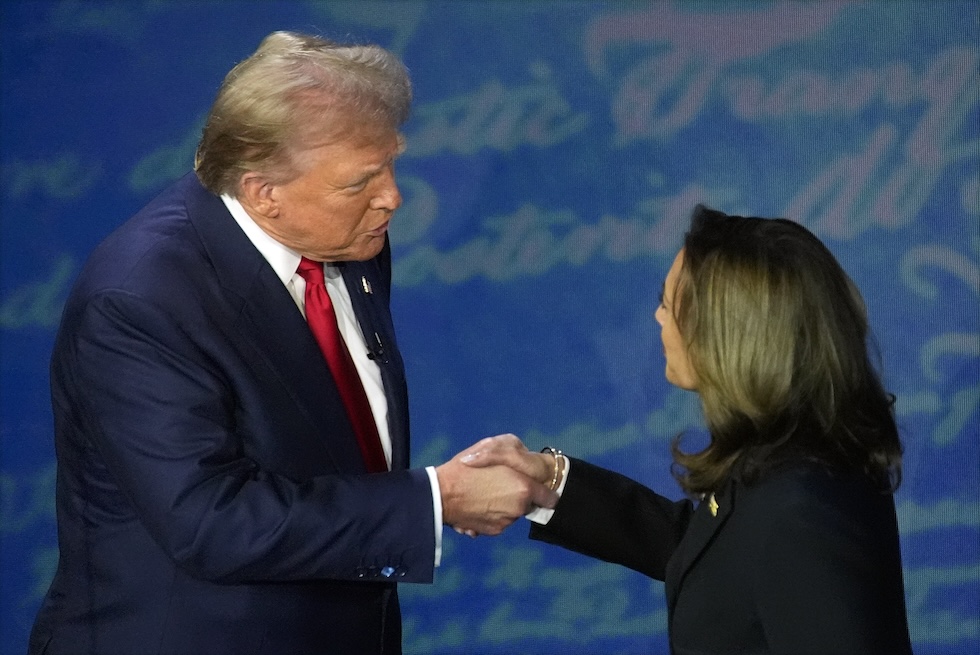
(807,488)
(813,513)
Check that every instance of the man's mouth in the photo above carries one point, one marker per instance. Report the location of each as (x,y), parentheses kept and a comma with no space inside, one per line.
(379,231)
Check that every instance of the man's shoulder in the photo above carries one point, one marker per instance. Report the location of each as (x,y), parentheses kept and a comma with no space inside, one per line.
(155,248)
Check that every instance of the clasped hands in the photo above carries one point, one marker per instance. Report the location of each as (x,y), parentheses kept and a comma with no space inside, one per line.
(494,482)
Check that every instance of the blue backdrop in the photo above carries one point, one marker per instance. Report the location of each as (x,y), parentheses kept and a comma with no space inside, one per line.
(554,154)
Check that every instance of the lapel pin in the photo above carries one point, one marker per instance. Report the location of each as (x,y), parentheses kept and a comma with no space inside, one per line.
(366,285)
(713,505)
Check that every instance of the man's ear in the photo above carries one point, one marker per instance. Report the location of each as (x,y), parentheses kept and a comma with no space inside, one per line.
(259,194)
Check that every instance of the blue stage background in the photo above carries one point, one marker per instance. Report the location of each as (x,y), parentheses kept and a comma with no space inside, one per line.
(554,154)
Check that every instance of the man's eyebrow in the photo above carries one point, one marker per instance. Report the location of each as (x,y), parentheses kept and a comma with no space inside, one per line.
(371,171)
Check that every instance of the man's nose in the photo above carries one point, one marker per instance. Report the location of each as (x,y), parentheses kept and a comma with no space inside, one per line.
(388,198)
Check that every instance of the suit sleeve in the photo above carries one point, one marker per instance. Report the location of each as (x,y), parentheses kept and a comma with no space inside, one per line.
(158,417)
(831,580)
(608,516)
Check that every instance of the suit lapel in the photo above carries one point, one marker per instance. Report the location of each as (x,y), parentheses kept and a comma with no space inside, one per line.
(369,297)
(700,532)
(269,321)
(272,322)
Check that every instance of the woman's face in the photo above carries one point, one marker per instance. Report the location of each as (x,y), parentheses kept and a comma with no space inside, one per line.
(678,371)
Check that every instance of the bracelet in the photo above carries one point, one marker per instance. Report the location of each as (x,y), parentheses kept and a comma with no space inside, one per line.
(554,452)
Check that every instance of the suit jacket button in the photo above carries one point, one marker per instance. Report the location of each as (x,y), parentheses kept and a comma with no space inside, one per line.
(387,571)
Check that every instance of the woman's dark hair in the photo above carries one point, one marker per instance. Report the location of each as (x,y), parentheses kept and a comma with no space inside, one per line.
(777,335)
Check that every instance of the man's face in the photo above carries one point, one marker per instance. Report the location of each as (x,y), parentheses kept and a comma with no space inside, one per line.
(339,208)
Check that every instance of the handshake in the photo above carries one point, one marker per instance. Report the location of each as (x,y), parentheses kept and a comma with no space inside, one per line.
(494,482)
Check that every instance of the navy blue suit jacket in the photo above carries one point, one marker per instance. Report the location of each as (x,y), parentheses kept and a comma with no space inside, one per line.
(801,563)
(211,497)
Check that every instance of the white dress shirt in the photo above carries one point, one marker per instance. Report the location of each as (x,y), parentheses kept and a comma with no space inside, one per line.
(284,261)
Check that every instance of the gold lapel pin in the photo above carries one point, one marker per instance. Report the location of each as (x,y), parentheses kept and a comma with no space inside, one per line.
(366,285)
(713,505)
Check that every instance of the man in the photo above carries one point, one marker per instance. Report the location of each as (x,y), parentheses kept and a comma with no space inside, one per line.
(214,489)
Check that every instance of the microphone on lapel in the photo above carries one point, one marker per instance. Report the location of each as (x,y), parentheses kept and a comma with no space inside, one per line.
(376,351)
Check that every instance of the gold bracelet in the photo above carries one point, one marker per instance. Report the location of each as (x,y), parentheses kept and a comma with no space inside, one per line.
(558,465)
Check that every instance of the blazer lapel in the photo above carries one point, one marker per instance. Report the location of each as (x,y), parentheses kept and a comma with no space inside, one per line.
(269,321)
(369,298)
(704,525)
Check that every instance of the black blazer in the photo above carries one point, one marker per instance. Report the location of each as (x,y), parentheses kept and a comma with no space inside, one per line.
(802,562)
(211,496)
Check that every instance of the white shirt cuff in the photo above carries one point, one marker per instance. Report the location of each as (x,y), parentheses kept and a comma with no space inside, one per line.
(542,514)
(437,510)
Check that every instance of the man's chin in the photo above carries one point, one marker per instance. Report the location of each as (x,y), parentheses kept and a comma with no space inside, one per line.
(365,248)
(370,248)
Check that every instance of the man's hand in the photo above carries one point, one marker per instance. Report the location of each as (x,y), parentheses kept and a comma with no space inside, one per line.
(484,499)
(508,450)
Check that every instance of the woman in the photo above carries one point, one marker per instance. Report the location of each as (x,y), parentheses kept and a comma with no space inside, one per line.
(793,544)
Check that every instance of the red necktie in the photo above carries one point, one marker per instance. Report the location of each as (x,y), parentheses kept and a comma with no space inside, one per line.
(323,323)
